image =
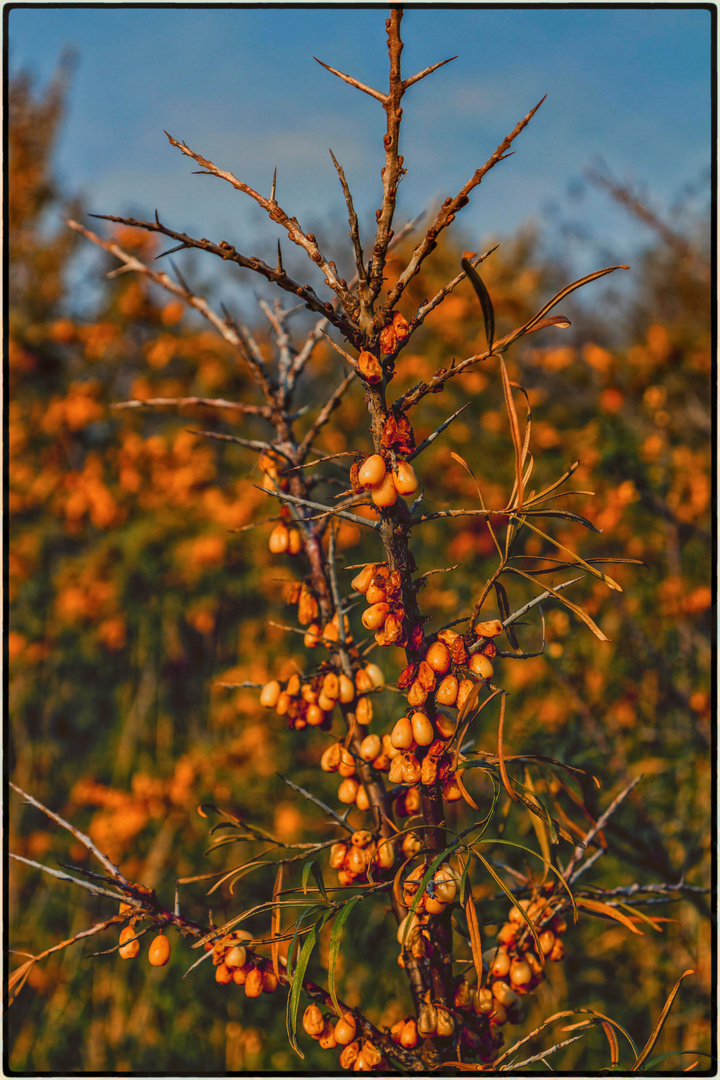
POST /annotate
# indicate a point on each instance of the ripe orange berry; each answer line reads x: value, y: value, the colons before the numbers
x: 404, y: 479
x: 375, y: 674
x: 345, y: 1029
x: 279, y: 539
x: 254, y: 983
x: 236, y: 957
x: 374, y: 616
x: 447, y: 691
x: 438, y: 657
x: 128, y: 951
x: 347, y: 792
x: 370, y: 747
x: 270, y: 694
x: 422, y: 729
x: 346, y: 690
x: 480, y: 665
x: 270, y: 982
x: 347, y: 763
x: 375, y: 594
x: 409, y: 1035
x: 313, y: 1021
x: 385, y: 494
x: 327, y: 1036
x: 364, y: 710
x: 402, y: 734
x: 464, y: 690
x: 295, y: 544
x: 372, y: 471
x: 223, y: 974
x: 159, y: 951
x: 361, y: 799
x: 312, y: 636
x: 314, y: 715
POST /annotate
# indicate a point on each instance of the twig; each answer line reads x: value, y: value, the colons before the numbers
x: 276, y: 213
x: 375, y: 525
x: 542, y: 1055
x: 597, y: 827
x: 97, y: 889
x: 318, y: 802
x: 213, y: 403
x: 446, y: 215
x: 438, y: 431
x: 353, y: 222
x: 111, y: 868
x: 228, y: 253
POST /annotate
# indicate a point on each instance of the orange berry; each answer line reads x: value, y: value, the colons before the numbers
x: 409, y: 1035
x: 295, y: 544
x: 313, y: 1021
x: 447, y: 691
x: 159, y: 951
x: 372, y: 471
x: 270, y: 982
x: 438, y: 657
x: 347, y: 792
x: 422, y: 729
x: 128, y: 951
x: 374, y: 616
x: 404, y: 479
x: 236, y: 957
x: 279, y: 539
x: 480, y: 665
x: 385, y: 494
x: 223, y: 974
x: 402, y: 734
x: 345, y: 1029
x: 362, y: 580
x: 254, y: 983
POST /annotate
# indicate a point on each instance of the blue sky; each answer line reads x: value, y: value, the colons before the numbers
x: 240, y: 86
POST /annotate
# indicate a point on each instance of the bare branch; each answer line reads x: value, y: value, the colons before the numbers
x: 599, y: 824
x: 375, y: 525
x: 438, y: 431
x: 276, y: 213
x: 428, y: 71
x: 97, y: 889
x: 353, y: 82
x: 446, y: 214
x: 353, y: 222
x: 393, y: 171
x: 228, y: 253
x: 111, y: 868
x: 213, y: 403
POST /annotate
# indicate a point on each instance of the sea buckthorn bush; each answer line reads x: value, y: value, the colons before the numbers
x: 410, y: 681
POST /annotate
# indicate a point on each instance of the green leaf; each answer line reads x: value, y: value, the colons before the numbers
x: 335, y: 939
x: 313, y: 868
x: 296, y: 987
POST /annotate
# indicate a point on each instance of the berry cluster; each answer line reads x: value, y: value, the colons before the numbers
x: 360, y: 1056
x: 233, y: 965
x: 311, y: 702
x: 511, y: 970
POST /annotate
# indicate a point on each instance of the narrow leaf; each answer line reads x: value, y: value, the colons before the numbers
x: 474, y: 929
x: 505, y: 612
x: 655, y: 1033
x: 583, y: 615
x: 335, y: 939
x: 485, y: 302
x: 605, y: 909
x: 296, y: 987
x: 275, y: 923
x: 515, y: 433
